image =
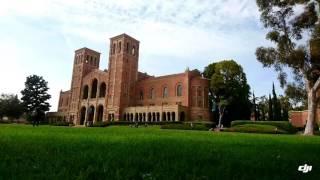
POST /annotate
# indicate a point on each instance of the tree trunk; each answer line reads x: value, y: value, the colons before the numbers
x: 312, y: 110
x: 221, y: 113
x: 312, y: 105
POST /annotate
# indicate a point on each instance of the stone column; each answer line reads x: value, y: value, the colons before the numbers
x: 86, y: 116
x: 177, y: 115
x: 95, y: 115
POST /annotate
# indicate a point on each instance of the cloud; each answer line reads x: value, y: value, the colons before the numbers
x: 173, y: 35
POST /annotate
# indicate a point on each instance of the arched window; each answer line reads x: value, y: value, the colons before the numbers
x: 127, y: 47
x: 141, y: 95
x: 102, y: 90
x: 133, y: 51
x: 85, y: 92
x: 152, y: 93
x: 179, y: 90
x: 94, y: 88
x: 114, y: 49
x: 199, y: 91
x: 165, y: 92
x: 119, y: 47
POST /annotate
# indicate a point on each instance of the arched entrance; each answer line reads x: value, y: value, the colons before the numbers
x: 82, y: 115
x: 164, y: 118
x: 100, y: 113
x: 173, y: 116
x: 91, y: 113
x: 182, y: 116
x: 168, y: 116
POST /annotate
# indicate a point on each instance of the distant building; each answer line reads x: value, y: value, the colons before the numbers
x: 122, y: 93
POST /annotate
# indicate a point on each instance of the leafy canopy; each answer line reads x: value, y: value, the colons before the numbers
x: 35, y: 95
x: 289, y: 21
x: 229, y: 88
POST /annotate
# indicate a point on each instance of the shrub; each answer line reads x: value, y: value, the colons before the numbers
x: 284, y: 125
x: 257, y: 128
x: 188, y: 126
x: 61, y: 123
x: 100, y: 124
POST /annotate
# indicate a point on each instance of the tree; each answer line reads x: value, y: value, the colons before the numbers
x: 263, y: 107
x: 35, y: 97
x: 254, y: 106
x: 285, y: 107
x: 289, y: 28
x: 297, y: 95
x: 228, y: 90
x: 270, y: 112
x: 276, y: 105
x: 10, y: 106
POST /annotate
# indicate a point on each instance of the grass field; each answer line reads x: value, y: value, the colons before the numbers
x: 115, y: 152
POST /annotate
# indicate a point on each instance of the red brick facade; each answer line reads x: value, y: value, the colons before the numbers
x: 123, y: 93
x: 299, y: 118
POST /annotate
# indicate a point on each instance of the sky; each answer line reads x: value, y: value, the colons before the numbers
x: 40, y: 37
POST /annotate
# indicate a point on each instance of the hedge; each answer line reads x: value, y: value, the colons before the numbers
x: 126, y: 123
x: 257, y: 128
x: 284, y: 125
x: 61, y: 123
x: 189, y: 126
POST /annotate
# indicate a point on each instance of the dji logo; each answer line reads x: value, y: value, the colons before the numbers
x: 305, y: 168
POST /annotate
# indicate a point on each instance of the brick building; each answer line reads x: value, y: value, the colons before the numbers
x: 122, y: 93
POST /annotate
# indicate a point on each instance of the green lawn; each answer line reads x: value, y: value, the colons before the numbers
x: 152, y: 153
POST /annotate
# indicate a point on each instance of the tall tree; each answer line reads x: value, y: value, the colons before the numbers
x: 270, y: 112
x: 263, y: 107
x: 35, y: 97
x: 229, y: 90
x: 254, y: 107
x: 288, y: 25
x: 276, y: 105
x: 285, y: 107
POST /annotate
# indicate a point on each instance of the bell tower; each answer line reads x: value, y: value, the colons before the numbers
x: 123, y: 74
x: 85, y: 60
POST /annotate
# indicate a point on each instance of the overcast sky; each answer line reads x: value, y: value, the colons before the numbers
x: 40, y: 36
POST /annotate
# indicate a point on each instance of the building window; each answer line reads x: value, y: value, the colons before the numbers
x: 119, y: 48
x: 165, y: 92
x: 94, y: 88
x: 199, y: 91
x: 179, y: 90
x: 85, y: 92
x: 141, y: 95
x: 152, y: 93
x: 127, y: 47
x: 114, y: 49
x: 133, y: 51
x: 102, y: 92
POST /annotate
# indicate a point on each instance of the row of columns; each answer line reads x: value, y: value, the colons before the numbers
x: 91, y: 114
x: 151, y: 117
